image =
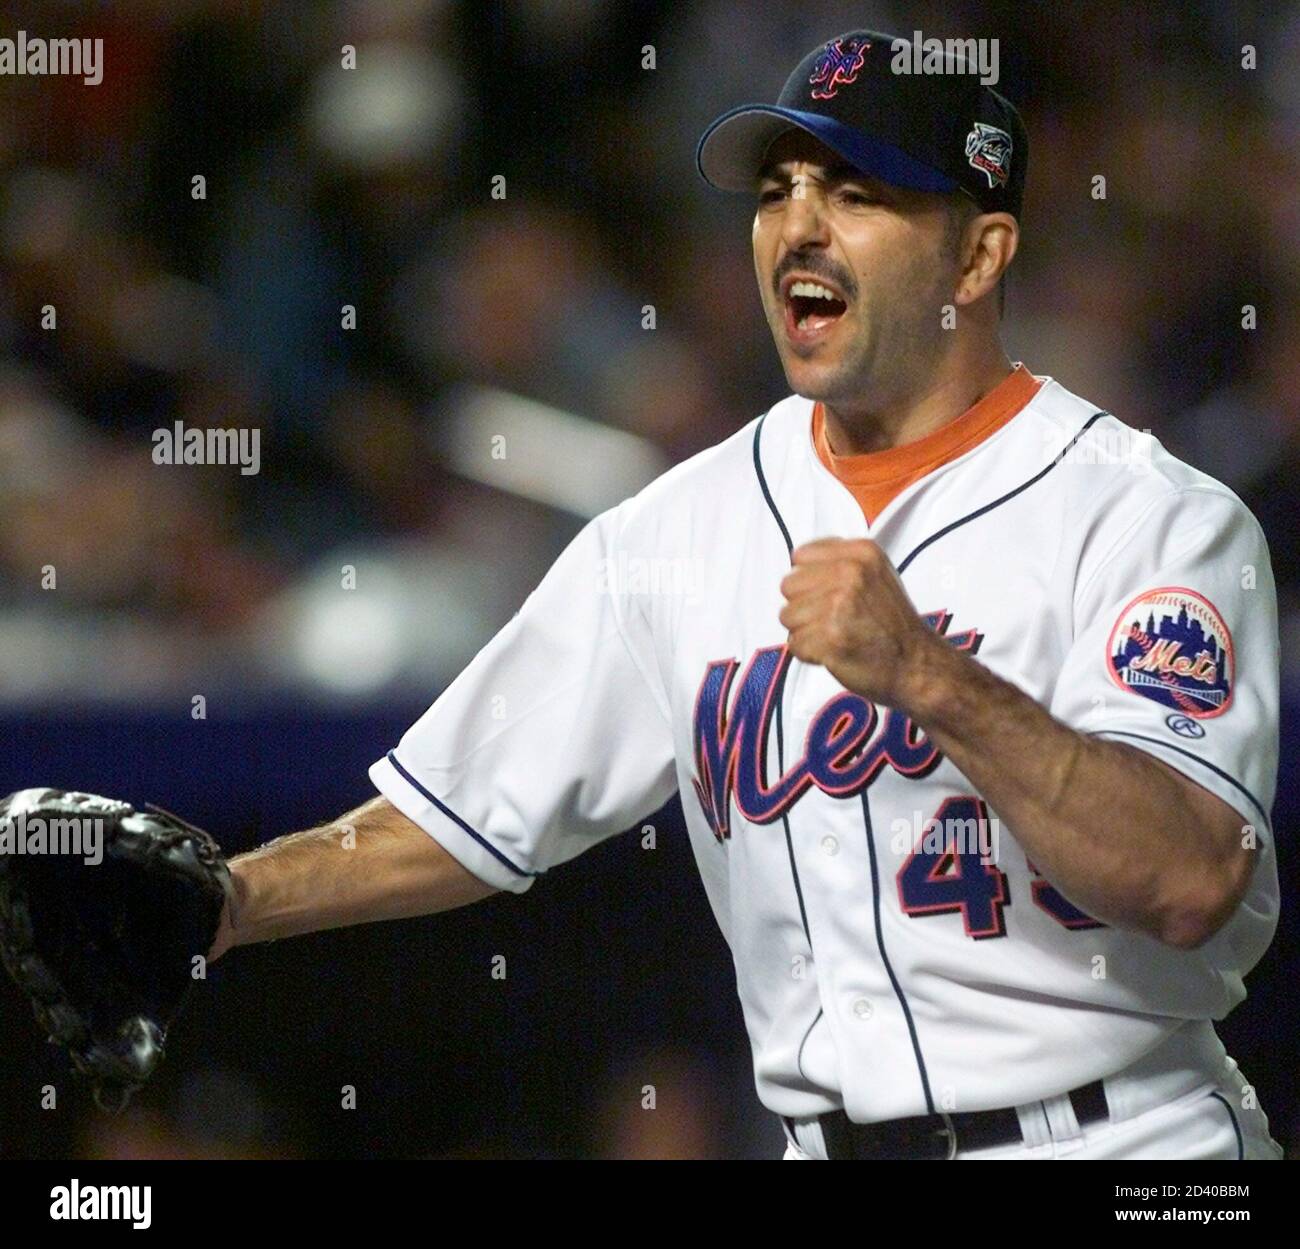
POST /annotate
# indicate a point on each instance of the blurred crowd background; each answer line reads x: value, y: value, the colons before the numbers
x: 371, y: 188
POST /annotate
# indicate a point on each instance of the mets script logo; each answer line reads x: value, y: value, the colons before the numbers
x: 989, y: 150
x: 844, y: 750
x: 1172, y: 646
x: 836, y: 66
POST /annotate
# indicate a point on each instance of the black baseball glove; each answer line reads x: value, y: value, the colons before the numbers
x: 103, y: 909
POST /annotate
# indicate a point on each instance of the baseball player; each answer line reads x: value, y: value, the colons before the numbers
x: 970, y: 691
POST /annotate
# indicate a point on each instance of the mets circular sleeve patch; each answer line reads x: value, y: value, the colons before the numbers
x: 1172, y: 646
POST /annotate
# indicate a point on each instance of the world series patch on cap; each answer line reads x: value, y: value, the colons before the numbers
x: 931, y: 131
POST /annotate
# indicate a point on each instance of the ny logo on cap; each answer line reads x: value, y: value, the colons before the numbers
x: 836, y: 66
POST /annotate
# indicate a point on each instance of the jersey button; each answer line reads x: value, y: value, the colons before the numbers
x: 830, y: 845
x: 863, y: 1009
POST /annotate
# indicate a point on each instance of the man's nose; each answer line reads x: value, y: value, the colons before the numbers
x: 804, y: 221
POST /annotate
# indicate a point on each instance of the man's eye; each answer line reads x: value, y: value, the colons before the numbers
x: 858, y: 197
x: 771, y: 195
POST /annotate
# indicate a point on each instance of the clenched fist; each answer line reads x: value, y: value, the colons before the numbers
x: 847, y: 610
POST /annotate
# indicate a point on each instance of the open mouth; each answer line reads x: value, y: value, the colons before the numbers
x: 812, y: 307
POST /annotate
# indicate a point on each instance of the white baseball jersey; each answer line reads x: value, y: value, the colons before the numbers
x: 887, y: 960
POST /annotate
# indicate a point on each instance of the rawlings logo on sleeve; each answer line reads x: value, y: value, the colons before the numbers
x: 1172, y: 646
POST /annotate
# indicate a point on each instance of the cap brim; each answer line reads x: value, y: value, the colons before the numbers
x: 731, y: 150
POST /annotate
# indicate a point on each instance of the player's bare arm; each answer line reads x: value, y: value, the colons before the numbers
x: 370, y: 864
x: 1123, y: 836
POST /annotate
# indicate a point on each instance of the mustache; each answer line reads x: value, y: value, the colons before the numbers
x: 818, y: 269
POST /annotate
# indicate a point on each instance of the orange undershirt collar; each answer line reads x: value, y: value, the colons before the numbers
x: 875, y: 478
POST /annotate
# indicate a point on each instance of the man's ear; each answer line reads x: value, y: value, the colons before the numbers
x: 987, y: 251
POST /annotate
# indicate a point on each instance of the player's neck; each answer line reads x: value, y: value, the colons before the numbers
x: 951, y: 391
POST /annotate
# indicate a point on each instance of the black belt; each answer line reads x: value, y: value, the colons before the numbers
x: 941, y: 1135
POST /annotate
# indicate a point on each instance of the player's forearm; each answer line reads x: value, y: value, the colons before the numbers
x: 1119, y: 834
x: 370, y: 864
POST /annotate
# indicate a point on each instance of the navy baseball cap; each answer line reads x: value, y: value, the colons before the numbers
x: 930, y: 131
